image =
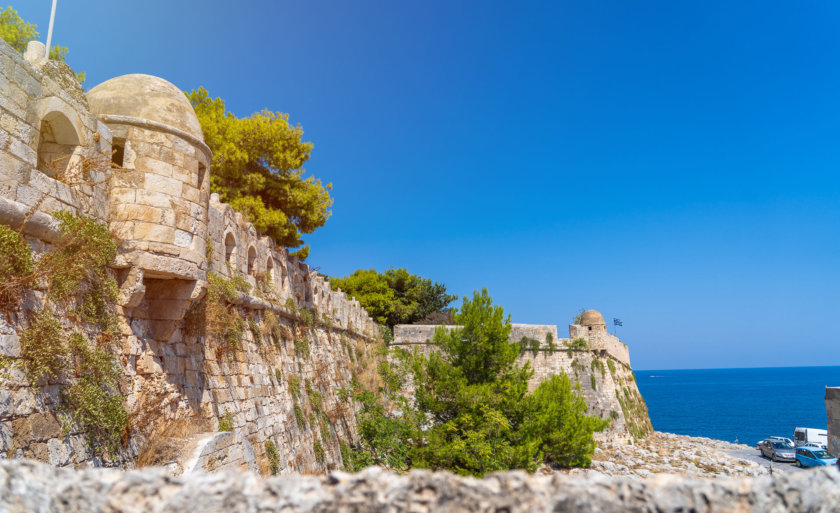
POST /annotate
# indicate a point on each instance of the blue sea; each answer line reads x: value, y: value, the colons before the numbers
x: 744, y: 405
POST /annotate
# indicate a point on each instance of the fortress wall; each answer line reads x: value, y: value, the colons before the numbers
x: 610, y: 344
x: 278, y: 276
x: 41, y: 109
x: 832, y: 410
x: 171, y: 370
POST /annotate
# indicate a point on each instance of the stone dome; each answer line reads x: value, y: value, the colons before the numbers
x: 592, y: 318
x: 145, y: 97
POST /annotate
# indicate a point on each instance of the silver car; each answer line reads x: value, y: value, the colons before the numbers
x: 777, y: 450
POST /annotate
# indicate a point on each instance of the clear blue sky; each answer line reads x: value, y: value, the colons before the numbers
x: 672, y: 164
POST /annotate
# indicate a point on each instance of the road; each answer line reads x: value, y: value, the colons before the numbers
x: 755, y: 456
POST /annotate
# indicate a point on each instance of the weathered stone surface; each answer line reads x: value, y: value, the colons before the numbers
x: 32, y: 487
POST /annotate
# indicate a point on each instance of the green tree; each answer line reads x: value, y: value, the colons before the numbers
x: 557, y: 416
x: 258, y: 168
x: 15, y: 31
x: 387, y: 423
x: 395, y: 296
x: 19, y: 33
x: 479, y: 415
x: 473, y: 395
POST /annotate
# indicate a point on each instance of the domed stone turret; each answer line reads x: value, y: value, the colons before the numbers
x: 159, y: 193
x: 145, y: 97
x: 592, y: 318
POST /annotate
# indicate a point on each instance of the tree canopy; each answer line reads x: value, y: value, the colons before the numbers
x: 395, y: 296
x: 258, y: 169
x: 19, y: 33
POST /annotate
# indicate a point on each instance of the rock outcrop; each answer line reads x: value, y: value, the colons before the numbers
x: 27, y: 486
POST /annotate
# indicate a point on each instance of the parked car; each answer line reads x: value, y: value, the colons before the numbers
x: 782, y: 439
x: 810, y: 436
x: 777, y: 449
x: 813, y: 456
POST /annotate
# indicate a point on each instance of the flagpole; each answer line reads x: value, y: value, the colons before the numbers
x: 50, y: 31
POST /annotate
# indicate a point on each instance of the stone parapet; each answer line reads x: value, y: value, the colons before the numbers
x: 29, y: 486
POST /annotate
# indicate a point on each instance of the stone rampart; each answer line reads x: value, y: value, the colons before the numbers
x: 130, y: 154
x: 29, y: 486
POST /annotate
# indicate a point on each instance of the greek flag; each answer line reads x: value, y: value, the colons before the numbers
x: 617, y: 322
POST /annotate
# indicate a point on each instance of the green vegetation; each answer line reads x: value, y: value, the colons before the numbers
x: 318, y: 449
x: 549, y: 341
x: 226, y: 422
x: 395, y: 296
x: 302, y: 347
x: 558, y: 419
x: 472, y: 412
x: 258, y: 169
x: 611, y: 366
x: 579, y: 344
x: 43, y: 348
x: 308, y: 317
x: 598, y: 365
x: 16, y: 267
x: 300, y: 417
x: 74, y: 273
x: 294, y: 386
x: 222, y: 320
x: 385, y: 438
x: 593, y: 382
x: 635, y: 412
x: 273, y: 457
x: 528, y: 343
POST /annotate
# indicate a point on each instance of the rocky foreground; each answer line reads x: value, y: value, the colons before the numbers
x: 667, y: 453
x: 27, y: 486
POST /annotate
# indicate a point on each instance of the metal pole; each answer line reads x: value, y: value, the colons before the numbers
x: 49, y: 32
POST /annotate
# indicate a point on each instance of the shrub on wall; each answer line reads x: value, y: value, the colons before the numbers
x: 559, y: 421
x: 75, y: 274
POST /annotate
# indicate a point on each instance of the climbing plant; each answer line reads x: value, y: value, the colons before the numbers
x: 74, y: 274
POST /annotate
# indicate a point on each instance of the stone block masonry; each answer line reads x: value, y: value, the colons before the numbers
x: 29, y: 486
x: 832, y: 410
x: 130, y: 154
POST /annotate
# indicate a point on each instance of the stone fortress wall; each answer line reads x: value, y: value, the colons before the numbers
x: 832, y: 410
x: 602, y: 368
x: 172, y: 233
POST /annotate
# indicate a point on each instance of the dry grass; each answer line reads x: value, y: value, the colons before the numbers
x: 167, y: 442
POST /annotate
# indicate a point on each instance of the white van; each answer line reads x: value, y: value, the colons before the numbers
x: 810, y: 436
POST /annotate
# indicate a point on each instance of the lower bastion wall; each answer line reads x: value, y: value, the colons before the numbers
x: 601, y: 369
x: 832, y: 411
x: 298, y: 342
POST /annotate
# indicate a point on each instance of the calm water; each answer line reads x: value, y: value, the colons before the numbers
x: 737, y: 404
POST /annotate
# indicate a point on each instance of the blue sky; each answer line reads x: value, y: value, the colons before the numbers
x: 672, y: 164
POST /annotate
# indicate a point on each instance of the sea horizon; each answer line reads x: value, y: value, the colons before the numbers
x: 743, y: 404
x: 739, y: 368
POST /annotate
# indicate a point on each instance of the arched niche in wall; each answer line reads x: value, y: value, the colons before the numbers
x: 283, y: 276
x: 58, y: 146
x: 230, y: 250
x: 252, y: 261
x: 269, y: 271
